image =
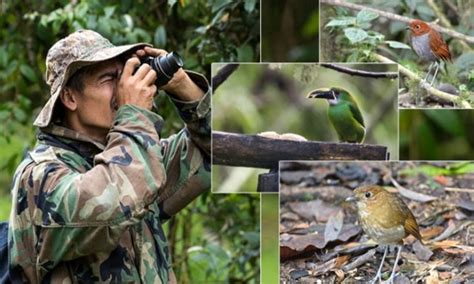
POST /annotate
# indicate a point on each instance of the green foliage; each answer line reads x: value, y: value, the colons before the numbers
x: 436, y: 135
x: 452, y: 169
x: 227, y: 231
x: 290, y: 31
x: 201, y: 31
x: 359, y: 35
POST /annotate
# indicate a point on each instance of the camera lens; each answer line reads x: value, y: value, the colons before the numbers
x: 165, y: 66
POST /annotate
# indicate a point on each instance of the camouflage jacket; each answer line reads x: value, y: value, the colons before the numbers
x: 85, y: 212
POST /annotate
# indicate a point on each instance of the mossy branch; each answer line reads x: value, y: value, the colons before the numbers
x: 435, y: 92
x: 240, y: 150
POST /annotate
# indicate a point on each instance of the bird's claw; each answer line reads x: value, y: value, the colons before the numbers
x: 424, y: 84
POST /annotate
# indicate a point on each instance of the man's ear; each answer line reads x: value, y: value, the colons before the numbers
x: 69, y: 98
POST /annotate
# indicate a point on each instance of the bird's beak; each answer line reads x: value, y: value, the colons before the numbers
x: 324, y: 93
x: 408, y: 28
x: 351, y: 199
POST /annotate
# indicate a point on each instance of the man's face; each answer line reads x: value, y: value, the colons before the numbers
x: 96, y: 105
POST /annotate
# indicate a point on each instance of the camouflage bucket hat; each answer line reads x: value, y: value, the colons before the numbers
x: 65, y: 57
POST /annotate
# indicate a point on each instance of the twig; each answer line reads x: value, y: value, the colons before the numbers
x: 398, y: 18
x: 454, y: 189
x: 362, y: 73
x: 438, y: 13
x: 452, y: 7
x: 431, y: 90
x: 239, y: 150
x: 222, y: 75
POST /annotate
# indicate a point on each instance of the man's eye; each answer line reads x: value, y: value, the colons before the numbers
x: 109, y: 78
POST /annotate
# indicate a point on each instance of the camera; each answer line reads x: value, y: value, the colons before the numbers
x: 165, y: 66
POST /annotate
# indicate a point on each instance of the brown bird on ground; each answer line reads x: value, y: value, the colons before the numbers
x: 385, y: 218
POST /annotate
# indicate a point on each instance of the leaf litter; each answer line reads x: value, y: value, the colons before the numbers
x: 324, y: 232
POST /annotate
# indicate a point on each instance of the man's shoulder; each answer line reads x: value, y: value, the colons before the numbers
x: 44, y: 156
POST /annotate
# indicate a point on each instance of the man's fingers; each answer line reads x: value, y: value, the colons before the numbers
x: 130, y: 66
x: 154, y: 51
x: 142, y: 71
x: 150, y: 77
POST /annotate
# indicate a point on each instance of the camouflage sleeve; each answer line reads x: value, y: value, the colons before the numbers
x: 83, y: 213
x: 186, y: 155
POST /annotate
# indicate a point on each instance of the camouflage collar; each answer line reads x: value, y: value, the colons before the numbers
x: 60, y: 136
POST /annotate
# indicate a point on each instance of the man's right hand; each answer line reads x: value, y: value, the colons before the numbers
x: 136, y: 89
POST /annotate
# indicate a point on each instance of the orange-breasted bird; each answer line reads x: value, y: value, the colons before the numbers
x: 428, y: 45
x: 385, y: 218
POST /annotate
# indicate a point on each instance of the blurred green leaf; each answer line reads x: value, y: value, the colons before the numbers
x: 355, y: 34
x: 245, y: 53
x: 109, y: 11
x: 397, y: 44
x: 342, y: 21
x: 219, y: 4
x: 160, y: 36
x: 431, y: 170
x: 448, y: 121
x: 28, y: 72
x: 366, y: 16
x: 250, y: 5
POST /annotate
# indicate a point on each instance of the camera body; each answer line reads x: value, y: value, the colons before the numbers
x: 165, y: 66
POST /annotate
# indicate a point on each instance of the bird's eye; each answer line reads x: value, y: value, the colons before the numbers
x: 417, y: 26
x: 368, y: 194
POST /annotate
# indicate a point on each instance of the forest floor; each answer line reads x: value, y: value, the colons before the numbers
x: 320, y: 238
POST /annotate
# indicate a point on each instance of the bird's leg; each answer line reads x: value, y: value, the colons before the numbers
x: 427, y: 74
x: 379, y: 272
x: 436, y: 72
x: 392, y: 276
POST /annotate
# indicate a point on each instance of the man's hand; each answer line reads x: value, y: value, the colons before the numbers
x: 180, y: 86
x: 137, y: 89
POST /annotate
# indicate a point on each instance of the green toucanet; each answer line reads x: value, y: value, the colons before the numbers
x: 343, y: 113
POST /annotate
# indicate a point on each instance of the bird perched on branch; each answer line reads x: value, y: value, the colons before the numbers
x: 343, y: 113
x: 385, y: 218
x: 428, y: 45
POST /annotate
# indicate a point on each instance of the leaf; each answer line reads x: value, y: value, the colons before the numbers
x: 366, y: 16
x: 296, y: 245
x: 109, y: 11
x: 355, y: 34
x: 245, y: 53
x: 19, y: 114
x: 249, y: 5
x: 333, y: 226
x: 160, y: 36
x: 420, y: 197
x: 28, y: 72
x: 128, y: 20
x: 219, y: 4
x: 171, y: 2
x: 397, y: 44
x: 342, y: 21
x: 422, y: 252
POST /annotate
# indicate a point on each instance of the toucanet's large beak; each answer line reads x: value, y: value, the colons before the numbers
x: 324, y: 93
x: 351, y: 198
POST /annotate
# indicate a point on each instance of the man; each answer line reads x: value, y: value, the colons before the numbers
x: 89, y: 200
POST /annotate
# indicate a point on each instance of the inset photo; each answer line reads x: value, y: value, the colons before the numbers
x: 290, y: 31
x: 374, y: 222
x: 264, y: 113
x: 436, y: 134
x: 431, y: 40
